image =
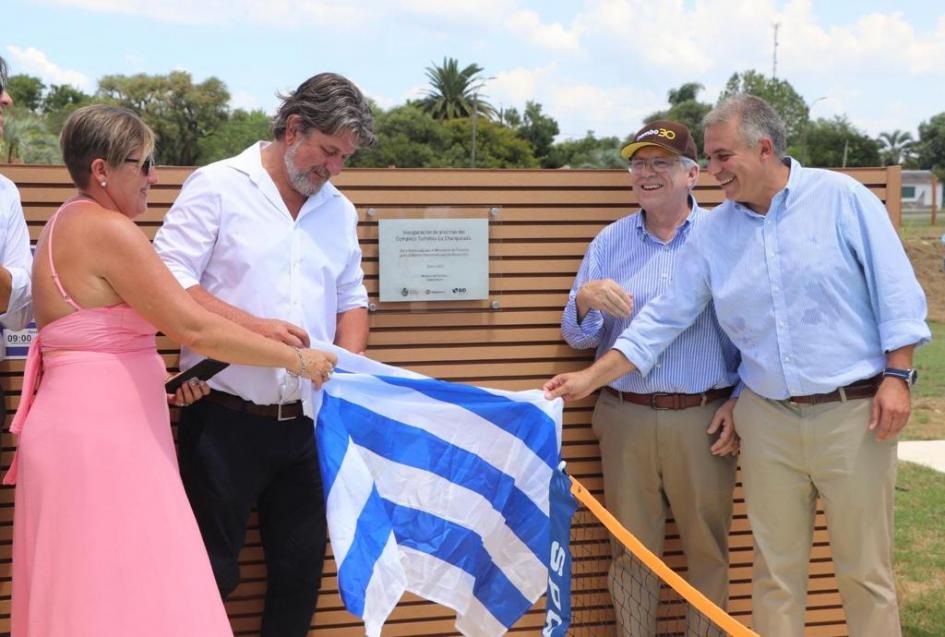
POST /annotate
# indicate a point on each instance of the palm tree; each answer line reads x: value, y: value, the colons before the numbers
x: 26, y: 140
x: 897, y: 147
x: 685, y: 93
x: 454, y: 92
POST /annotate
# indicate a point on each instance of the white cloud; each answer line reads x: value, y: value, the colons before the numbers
x: 604, y: 110
x: 286, y: 13
x: 732, y: 35
x: 460, y: 13
x: 442, y: 17
x: 670, y: 35
x: 553, y: 36
x: 516, y: 86
x: 876, y: 42
x: 32, y: 61
x: 244, y: 100
x: 415, y: 92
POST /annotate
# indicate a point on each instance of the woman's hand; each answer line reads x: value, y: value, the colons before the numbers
x: 317, y: 365
x: 188, y: 393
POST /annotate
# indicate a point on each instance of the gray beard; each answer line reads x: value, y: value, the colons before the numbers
x: 299, y: 179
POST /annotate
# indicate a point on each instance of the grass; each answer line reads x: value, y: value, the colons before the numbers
x: 928, y: 405
x: 930, y: 361
x: 919, y: 554
x: 919, y: 551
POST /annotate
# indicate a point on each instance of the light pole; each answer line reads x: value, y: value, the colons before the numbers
x: 810, y: 107
x: 475, y: 113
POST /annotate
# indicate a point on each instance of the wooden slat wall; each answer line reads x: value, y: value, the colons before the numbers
x: 538, y: 235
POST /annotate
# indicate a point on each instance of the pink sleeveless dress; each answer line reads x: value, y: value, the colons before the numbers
x: 104, y: 541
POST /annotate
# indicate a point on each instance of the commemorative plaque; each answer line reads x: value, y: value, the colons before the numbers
x: 433, y: 259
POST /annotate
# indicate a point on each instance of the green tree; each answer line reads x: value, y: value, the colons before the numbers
x: 931, y: 145
x: 587, y: 152
x: 496, y: 146
x: 26, y: 140
x: 685, y: 108
x: 779, y: 93
x: 538, y: 129
x: 58, y: 104
x: 62, y: 96
x: 688, y: 92
x: 832, y: 143
x: 407, y: 138
x: 454, y: 93
x: 897, y: 147
x: 26, y: 91
x: 510, y: 117
x: 239, y: 131
x: 180, y: 112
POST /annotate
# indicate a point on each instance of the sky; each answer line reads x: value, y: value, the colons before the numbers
x: 594, y: 65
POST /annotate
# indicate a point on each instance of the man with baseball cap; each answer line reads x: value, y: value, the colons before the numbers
x: 667, y: 439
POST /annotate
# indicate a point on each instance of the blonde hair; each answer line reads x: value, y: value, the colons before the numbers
x: 104, y: 132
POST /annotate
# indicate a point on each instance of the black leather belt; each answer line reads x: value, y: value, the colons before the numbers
x: 858, y: 389
x: 671, y: 401
x: 287, y: 411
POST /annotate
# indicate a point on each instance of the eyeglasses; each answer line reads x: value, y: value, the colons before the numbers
x: 658, y: 164
x: 146, y: 165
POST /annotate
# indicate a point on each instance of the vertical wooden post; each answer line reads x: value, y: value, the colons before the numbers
x: 894, y: 194
x: 934, y: 198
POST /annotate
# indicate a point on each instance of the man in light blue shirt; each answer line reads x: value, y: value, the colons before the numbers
x: 655, y: 448
x: 811, y: 283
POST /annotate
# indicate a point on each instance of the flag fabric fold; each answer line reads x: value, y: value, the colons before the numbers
x: 438, y: 489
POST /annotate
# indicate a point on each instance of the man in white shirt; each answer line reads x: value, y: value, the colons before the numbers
x: 266, y: 240
x: 16, y: 260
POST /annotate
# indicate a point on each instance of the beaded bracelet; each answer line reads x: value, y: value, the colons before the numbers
x: 303, y: 368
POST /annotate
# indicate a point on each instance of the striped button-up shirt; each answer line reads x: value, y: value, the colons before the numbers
x: 701, y: 358
x: 813, y: 293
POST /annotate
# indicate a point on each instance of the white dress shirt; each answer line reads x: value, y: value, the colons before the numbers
x: 230, y: 232
x: 15, y: 256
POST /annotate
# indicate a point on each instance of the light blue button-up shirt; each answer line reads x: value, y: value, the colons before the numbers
x: 701, y: 358
x: 812, y: 294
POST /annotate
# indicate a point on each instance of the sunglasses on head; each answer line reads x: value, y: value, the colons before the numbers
x: 146, y: 165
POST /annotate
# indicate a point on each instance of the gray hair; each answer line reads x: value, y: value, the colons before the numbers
x: 328, y: 103
x: 104, y: 132
x: 756, y: 120
x: 3, y: 73
x: 687, y: 162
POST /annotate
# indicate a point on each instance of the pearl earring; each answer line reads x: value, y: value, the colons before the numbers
x: 103, y: 184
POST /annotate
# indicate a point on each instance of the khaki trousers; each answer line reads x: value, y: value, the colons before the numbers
x: 790, y: 454
x: 653, y: 459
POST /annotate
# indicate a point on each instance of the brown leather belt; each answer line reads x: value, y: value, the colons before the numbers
x: 858, y: 389
x: 671, y: 401
x: 288, y: 411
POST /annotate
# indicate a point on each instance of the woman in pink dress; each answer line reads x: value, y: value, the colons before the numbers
x: 104, y: 541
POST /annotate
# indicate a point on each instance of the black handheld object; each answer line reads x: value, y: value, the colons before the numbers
x: 202, y: 370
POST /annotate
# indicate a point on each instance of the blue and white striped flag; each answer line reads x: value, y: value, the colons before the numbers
x: 438, y: 489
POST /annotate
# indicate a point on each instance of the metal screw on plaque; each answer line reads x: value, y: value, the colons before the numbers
x: 372, y: 307
x: 495, y: 305
x: 494, y: 212
x: 371, y: 212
